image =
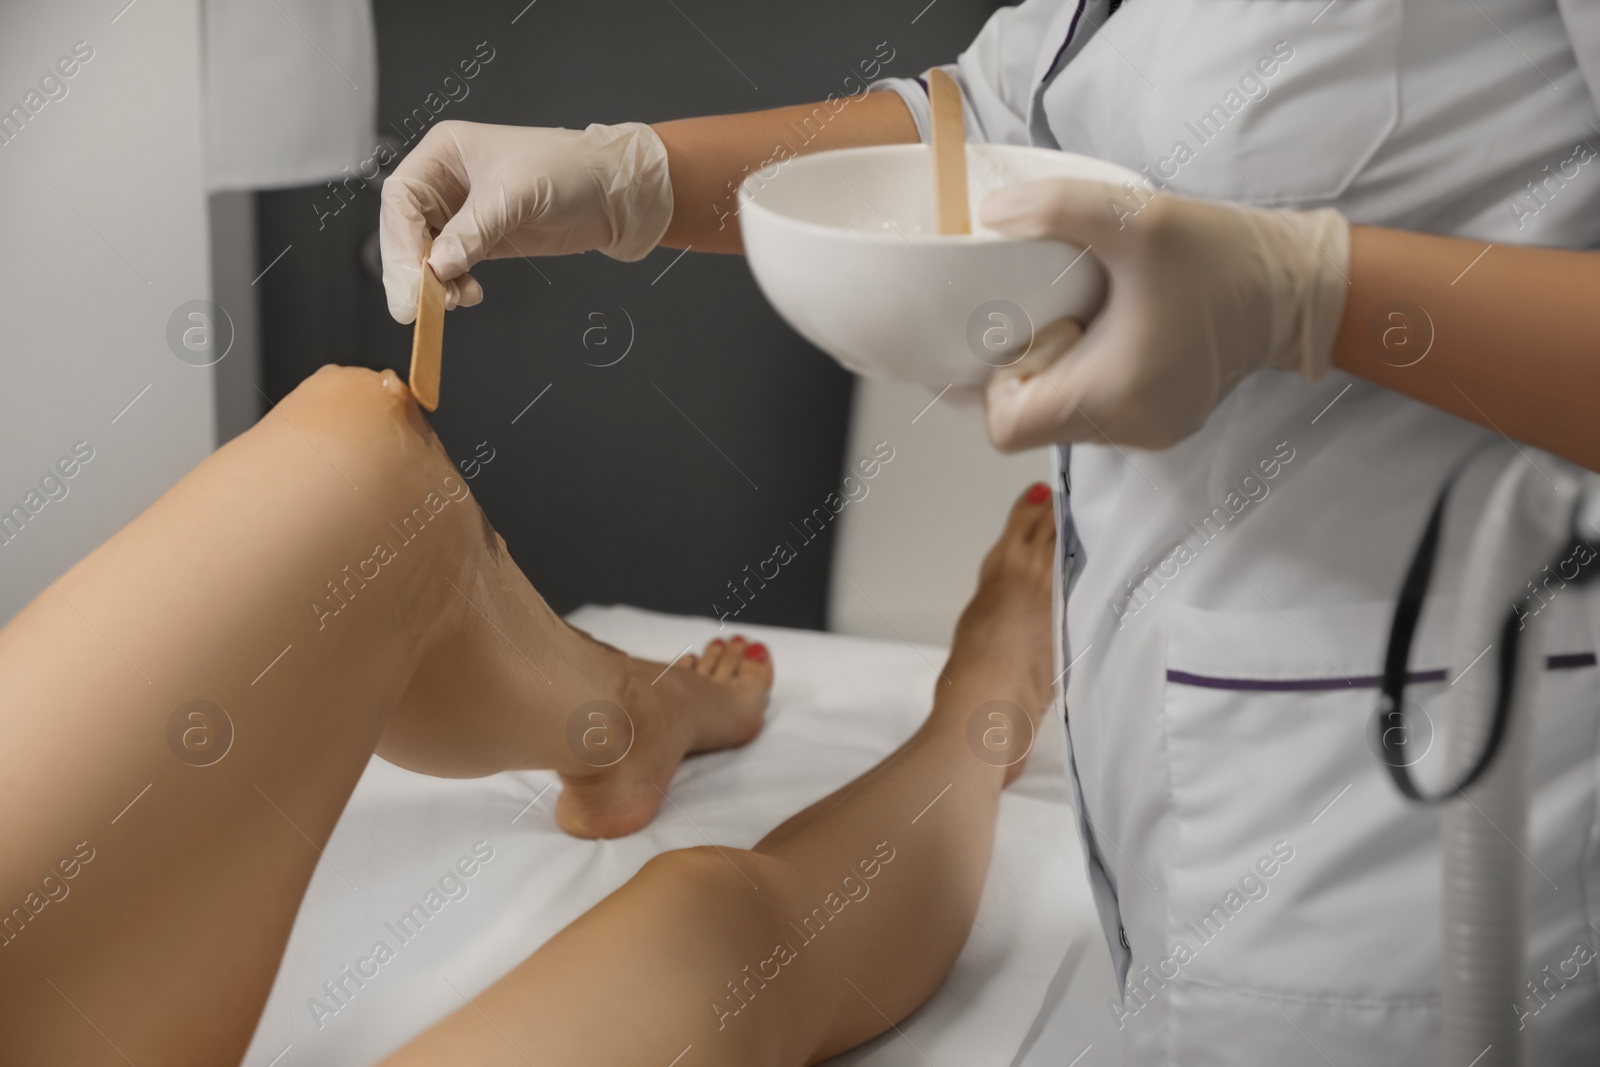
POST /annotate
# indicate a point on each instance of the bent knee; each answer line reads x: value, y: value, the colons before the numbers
x: 366, y: 417
x: 699, y: 864
x: 710, y: 873
x: 350, y: 394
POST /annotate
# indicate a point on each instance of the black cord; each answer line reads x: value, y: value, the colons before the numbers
x: 1408, y: 610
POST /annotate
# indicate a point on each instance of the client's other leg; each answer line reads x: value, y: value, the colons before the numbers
x: 327, y: 587
x: 839, y: 923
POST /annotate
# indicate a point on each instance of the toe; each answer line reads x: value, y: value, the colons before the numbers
x: 755, y: 667
x: 711, y: 657
x: 1026, y: 513
x: 1043, y: 546
x: 731, y: 657
x: 1037, y: 514
x: 1044, y: 526
x: 1029, y: 508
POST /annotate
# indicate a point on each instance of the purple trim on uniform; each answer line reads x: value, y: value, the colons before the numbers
x: 1294, y: 685
x: 1072, y: 31
x: 922, y: 82
x: 1561, y: 662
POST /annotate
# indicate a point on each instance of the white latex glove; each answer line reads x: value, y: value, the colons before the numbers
x: 492, y: 192
x: 1201, y: 294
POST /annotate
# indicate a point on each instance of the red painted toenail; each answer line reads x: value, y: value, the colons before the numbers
x: 757, y: 652
x: 1038, y: 493
x: 717, y: 642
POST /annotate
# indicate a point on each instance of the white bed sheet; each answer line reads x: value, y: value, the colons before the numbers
x: 839, y: 705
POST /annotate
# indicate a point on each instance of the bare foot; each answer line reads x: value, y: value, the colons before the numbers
x: 1001, y: 657
x: 1001, y: 651
x: 700, y: 703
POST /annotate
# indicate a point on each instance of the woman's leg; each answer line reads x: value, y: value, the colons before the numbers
x: 837, y: 925
x: 325, y: 588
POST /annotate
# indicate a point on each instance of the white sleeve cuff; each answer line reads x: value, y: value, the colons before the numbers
x: 914, y: 92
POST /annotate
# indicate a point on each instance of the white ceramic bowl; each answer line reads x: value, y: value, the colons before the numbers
x: 845, y: 246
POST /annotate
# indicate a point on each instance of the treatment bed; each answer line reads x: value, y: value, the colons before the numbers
x: 1029, y: 988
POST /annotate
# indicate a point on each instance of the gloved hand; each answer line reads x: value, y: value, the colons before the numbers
x: 491, y: 192
x: 1201, y: 294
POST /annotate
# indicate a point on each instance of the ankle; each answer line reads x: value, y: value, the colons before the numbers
x: 995, y: 730
x: 622, y: 707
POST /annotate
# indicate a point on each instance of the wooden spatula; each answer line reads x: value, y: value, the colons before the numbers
x: 949, y: 154
x: 427, y: 340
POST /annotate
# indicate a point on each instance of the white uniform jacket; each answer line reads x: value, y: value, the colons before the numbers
x: 1267, y: 894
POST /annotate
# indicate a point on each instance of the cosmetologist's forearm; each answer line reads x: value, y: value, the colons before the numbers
x: 708, y: 157
x: 1504, y: 336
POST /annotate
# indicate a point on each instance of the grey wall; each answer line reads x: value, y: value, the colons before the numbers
x: 657, y: 480
x: 105, y: 237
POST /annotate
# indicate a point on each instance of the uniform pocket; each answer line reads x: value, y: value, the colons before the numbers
x: 1298, y: 867
x: 1267, y: 720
